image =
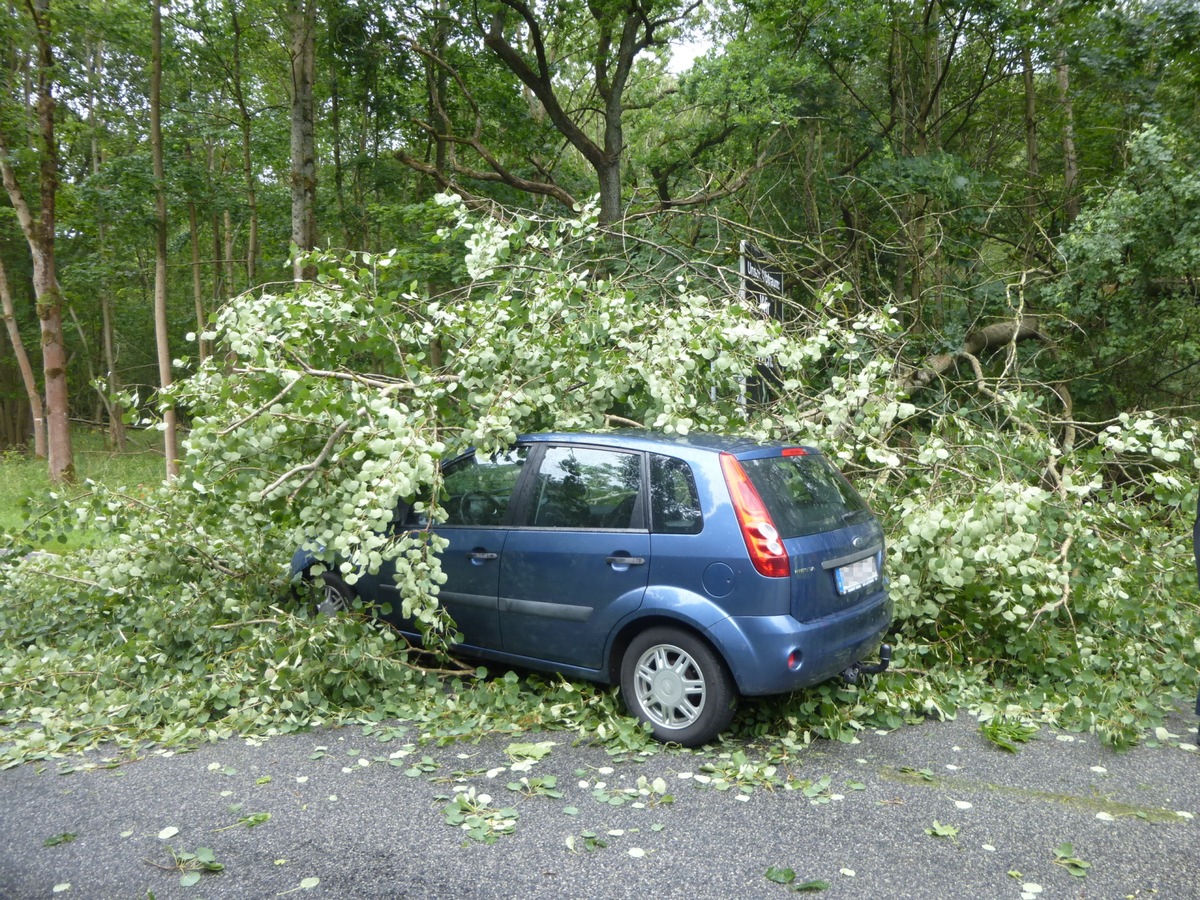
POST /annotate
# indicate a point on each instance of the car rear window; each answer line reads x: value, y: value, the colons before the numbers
x: 805, y: 494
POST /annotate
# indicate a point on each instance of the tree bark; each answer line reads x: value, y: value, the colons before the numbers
x: 303, y: 20
x: 112, y: 380
x: 244, y: 122
x: 39, y: 235
x: 24, y: 366
x: 197, y: 266
x: 1070, y: 158
x: 1031, y: 151
x: 990, y: 337
x: 116, y: 422
x: 160, y: 243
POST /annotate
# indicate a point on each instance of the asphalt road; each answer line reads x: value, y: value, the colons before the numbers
x: 352, y: 817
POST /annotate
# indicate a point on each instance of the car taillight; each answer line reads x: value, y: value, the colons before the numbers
x: 758, y: 531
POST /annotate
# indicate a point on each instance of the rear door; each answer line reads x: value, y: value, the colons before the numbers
x: 578, y: 557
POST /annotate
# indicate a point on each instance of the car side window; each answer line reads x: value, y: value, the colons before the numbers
x: 582, y: 487
x: 476, y: 491
x: 674, y: 503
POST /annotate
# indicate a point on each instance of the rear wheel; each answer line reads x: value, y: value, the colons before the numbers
x: 677, y: 683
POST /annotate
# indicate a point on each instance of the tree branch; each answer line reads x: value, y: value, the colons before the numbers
x: 990, y: 337
x: 311, y: 467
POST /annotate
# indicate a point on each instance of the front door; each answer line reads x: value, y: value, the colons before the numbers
x: 475, y: 498
x: 578, y: 558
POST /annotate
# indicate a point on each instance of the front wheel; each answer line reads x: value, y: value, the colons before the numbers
x: 674, y: 681
x: 330, y: 594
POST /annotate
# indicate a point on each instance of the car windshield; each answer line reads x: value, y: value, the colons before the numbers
x: 805, y: 494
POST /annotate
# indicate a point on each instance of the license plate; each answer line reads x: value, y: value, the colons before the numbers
x: 856, y: 575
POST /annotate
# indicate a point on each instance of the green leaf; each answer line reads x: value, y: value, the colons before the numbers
x: 254, y: 819
x: 781, y: 876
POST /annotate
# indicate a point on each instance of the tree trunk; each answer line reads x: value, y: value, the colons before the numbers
x: 160, y: 243
x: 112, y: 386
x: 24, y: 366
x: 1031, y: 151
x: 623, y: 31
x: 303, y: 21
x: 218, y: 286
x: 244, y: 123
x: 39, y: 235
x: 339, y: 176
x: 16, y: 420
x: 219, y: 269
x: 116, y: 421
x: 227, y: 237
x: 990, y: 337
x: 197, y: 266
x: 1070, y: 159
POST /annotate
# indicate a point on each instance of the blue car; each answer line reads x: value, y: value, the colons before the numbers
x: 690, y: 570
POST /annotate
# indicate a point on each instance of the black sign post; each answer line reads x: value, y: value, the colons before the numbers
x: 762, y: 280
x: 762, y: 286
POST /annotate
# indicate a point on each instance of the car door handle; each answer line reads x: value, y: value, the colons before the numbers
x: 625, y: 560
x: 482, y: 555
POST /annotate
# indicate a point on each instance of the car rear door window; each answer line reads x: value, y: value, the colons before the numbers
x: 674, y: 503
x: 583, y: 487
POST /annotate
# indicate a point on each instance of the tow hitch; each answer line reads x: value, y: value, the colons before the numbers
x: 854, y: 672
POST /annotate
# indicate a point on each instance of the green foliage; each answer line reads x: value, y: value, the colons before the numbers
x: 1132, y: 263
x: 1037, y: 572
x: 546, y: 786
x: 473, y: 813
x: 194, y: 865
x: 937, y: 829
x: 1064, y: 855
x: 1007, y: 734
x: 736, y: 770
x: 590, y: 840
x: 788, y: 876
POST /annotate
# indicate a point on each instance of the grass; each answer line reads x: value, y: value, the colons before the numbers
x: 24, y: 477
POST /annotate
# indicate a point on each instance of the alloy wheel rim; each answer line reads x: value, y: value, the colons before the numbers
x: 670, y: 686
x: 331, y: 602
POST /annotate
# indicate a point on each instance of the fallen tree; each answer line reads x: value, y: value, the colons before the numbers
x: 1061, y: 597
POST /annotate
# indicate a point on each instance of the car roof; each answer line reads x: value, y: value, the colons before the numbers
x: 639, y: 439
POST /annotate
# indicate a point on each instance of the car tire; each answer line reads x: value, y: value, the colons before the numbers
x: 676, y: 682
x: 331, y: 595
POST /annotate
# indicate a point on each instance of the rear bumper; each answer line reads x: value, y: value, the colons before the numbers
x: 777, y: 654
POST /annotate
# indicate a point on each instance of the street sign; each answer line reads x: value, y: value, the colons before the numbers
x: 762, y: 280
